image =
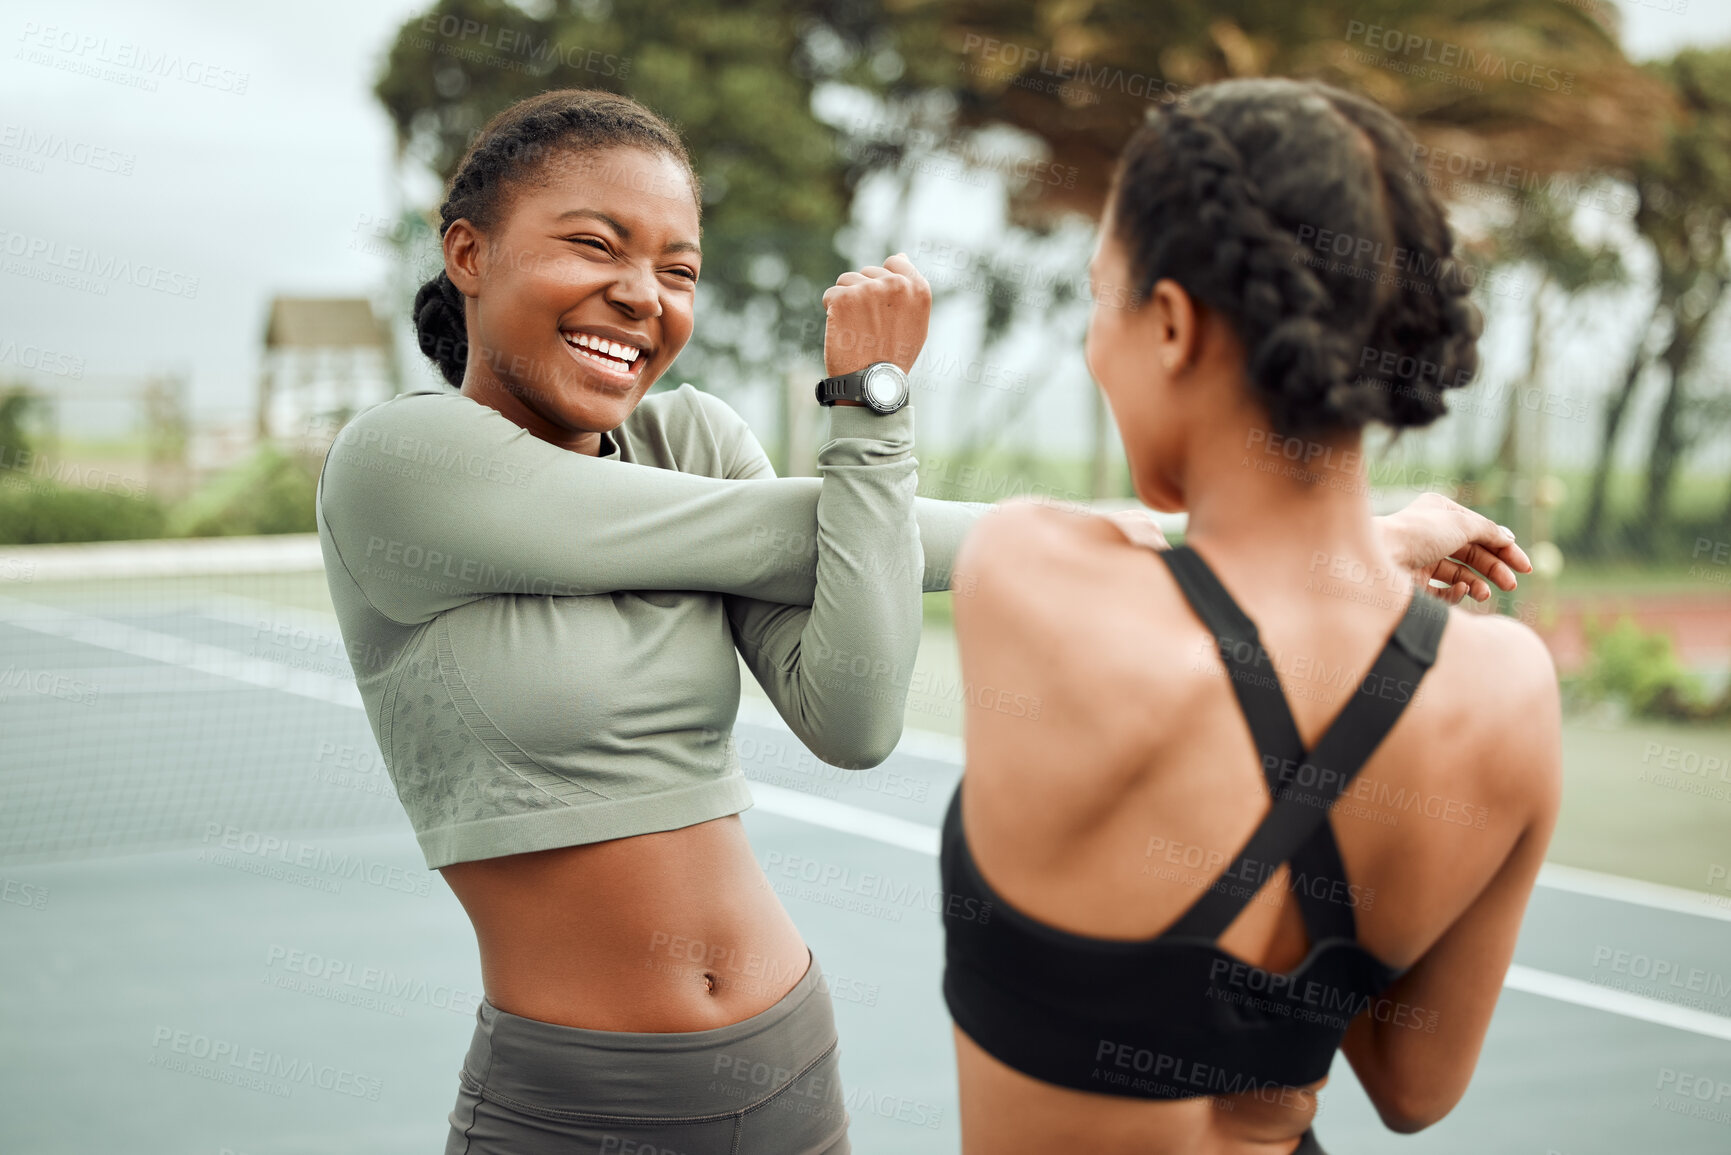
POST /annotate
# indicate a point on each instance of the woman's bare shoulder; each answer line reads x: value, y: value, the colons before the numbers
x: 1506, y: 652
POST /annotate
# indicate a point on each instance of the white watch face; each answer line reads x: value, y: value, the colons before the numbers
x: 883, y: 386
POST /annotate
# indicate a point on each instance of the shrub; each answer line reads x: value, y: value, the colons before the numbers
x: 269, y: 492
x: 1642, y: 671
x: 34, y: 511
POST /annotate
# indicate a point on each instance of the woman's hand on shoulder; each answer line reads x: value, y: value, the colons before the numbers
x: 1138, y: 527
x: 1436, y: 538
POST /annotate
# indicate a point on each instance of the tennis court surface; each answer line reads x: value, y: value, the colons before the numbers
x: 220, y: 937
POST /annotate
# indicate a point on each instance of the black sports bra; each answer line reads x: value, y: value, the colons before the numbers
x: 1176, y: 1017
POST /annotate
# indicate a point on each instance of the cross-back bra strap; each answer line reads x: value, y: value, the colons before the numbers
x: 1374, y: 707
x: 1310, y: 787
x: 1248, y: 665
x: 1318, y: 874
x: 1318, y: 881
x: 1316, y: 866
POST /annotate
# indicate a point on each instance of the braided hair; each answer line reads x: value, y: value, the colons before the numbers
x: 514, y: 148
x: 1295, y: 210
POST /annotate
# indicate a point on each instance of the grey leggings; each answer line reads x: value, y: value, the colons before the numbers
x: 767, y: 1085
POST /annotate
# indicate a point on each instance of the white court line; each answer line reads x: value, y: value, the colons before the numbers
x: 1633, y: 891
x: 170, y: 557
x: 111, y: 681
x: 899, y: 832
x: 760, y: 711
x: 849, y: 819
x: 857, y: 820
x: 1585, y: 994
x: 175, y: 651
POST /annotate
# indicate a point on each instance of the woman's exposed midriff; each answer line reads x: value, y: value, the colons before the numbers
x: 677, y: 930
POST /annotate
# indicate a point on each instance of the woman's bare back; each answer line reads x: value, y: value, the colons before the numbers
x: 1138, y: 782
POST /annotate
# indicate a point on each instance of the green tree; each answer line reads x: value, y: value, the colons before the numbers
x: 1535, y: 93
x: 1685, y: 207
x: 1539, y: 85
x: 15, y: 409
x: 1541, y: 236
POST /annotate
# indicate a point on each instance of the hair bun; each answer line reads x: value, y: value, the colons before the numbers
x: 440, y: 327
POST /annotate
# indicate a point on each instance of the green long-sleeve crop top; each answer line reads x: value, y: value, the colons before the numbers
x: 544, y: 640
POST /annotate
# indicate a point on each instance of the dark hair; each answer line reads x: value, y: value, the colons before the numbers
x: 511, y: 150
x: 1244, y: 195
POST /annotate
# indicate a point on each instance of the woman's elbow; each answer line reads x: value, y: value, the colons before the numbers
x: 1408, y: 1124
x: 1409, y: 1110
x: 862, y: 747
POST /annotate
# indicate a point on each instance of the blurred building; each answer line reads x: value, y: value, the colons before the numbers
x: 324, y: 359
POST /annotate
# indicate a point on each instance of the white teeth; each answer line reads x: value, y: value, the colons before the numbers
x: 625, y: 353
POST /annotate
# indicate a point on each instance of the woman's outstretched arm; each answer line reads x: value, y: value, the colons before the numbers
x: 434, y: 500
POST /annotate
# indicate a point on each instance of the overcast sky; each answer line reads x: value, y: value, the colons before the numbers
x: 252, y: 168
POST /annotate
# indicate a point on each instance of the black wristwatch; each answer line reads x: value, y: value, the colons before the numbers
x: 881, y: 385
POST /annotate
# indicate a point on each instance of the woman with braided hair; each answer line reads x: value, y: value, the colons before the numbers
x: 1240, y: 836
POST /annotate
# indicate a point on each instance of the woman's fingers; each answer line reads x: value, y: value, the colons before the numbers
x: 1453, y: 593
x: 1498, y: 540
x: 1484, y: 561
x: 847, y: 280
x: 1463, y: 582
x: 900, y: 265
x: 1139, y: 527
x: 1516, y: 558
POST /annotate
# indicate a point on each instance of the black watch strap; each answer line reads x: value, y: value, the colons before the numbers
x: 851, y: 387
x: 847, y: 387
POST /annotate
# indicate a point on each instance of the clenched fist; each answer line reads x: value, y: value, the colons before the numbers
x: 879, y: 313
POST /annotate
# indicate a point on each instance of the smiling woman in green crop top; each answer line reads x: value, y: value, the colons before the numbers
x: 542, y: 580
